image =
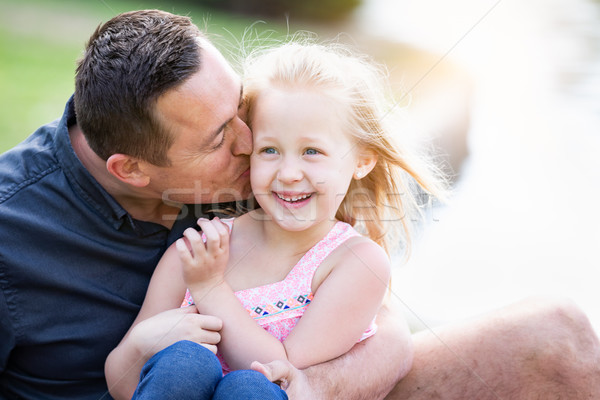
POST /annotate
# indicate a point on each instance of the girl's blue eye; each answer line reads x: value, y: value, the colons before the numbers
x: 270, y: 150
x: 311, y: 152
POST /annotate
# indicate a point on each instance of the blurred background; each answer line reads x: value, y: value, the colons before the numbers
x: 506, y: 95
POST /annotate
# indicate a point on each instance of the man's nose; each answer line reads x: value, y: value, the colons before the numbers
x: 242, y: 143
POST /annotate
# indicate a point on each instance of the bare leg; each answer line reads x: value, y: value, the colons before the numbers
x: 540, y: 348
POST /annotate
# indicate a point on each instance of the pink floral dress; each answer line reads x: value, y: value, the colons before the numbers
x: 278, y: 306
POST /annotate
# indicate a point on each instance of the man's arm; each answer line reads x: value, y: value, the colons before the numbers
x: 368, y: 371
x: 540, y: 348
x: 6, y: 333
x: 159, y: 324
x: 537, y: 348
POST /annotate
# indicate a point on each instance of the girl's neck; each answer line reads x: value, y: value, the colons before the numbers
x: 292, y: 242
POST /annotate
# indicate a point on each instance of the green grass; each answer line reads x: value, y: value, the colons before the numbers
x: 40, y: 42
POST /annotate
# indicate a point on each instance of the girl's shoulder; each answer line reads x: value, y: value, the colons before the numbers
x: 362, y: 248
x: 244, y: 228
x: 357, y: 255
x: 245, y: 222
x: 358, y: 244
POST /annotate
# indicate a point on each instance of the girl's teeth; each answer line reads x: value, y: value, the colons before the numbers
x: 293, y: 198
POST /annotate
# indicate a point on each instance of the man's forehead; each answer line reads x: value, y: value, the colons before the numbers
x: 207, y: 48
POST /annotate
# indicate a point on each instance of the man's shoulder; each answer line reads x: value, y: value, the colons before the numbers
x: 28, y: 162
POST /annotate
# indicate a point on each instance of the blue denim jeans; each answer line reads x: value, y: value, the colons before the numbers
x: 187, y: 370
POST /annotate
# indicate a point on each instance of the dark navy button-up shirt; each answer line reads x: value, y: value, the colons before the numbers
x: 74, y: 268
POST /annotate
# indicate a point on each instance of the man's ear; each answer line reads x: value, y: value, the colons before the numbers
x: 127, y: 169
x: 367, y: 159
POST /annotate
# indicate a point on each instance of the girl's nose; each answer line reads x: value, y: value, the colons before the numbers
x: 289, y: 171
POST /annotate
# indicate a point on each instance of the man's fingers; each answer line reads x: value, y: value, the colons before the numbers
x: 209, y: 322
x: 211, y: 347
x: 277, y: 371
x: 262, y: 368
x: 211, y: 337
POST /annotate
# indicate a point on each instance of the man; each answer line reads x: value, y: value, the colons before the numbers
x: 89, y: 203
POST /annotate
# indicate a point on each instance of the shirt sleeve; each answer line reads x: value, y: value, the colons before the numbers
x: 6, y: 332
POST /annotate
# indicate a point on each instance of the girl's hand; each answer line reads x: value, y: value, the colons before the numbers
x: 204, y: 263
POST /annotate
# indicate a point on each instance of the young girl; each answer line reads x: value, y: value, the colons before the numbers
x: 294, y: 279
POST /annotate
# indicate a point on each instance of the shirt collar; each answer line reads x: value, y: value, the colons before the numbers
x: 86, y: 186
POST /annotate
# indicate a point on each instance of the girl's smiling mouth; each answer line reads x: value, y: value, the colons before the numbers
x: 292, y: 199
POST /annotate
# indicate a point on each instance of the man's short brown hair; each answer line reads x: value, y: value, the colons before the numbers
x: 128, y: 63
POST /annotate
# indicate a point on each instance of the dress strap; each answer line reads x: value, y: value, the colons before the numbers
x: 308, y: 264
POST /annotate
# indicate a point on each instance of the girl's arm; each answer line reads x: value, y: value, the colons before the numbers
x: 344, y: 304
x: 159, y: 324
x: 204, y: 267
x: 368, y: 371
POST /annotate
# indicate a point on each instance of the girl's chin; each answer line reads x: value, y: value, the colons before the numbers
x: 292, y: 225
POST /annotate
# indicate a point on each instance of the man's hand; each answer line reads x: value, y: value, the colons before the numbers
x: 162, y: 330
x: 292, y: 380
x: 152, y: 335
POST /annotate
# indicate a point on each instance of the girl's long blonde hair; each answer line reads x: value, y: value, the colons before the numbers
x: 391, y: 195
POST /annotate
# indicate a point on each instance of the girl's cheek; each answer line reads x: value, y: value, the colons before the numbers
x: 258, y: 174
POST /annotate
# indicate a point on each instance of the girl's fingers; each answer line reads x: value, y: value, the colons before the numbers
x: 216, y: 233
x: 193, y: 236
x: 193, y: 240
x: 183, y: 250
x: 192, y: 244
x: 223, y: 231
x: 211, y: 234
